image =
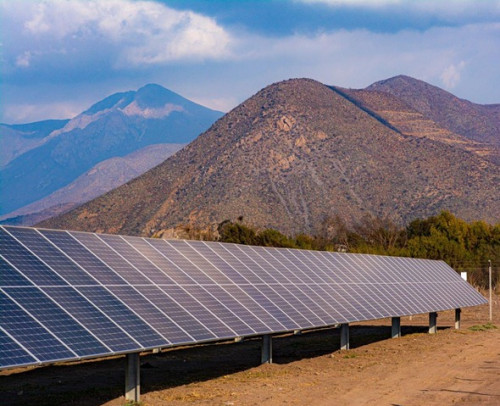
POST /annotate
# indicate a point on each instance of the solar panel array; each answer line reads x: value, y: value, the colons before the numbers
x: 71, y: 295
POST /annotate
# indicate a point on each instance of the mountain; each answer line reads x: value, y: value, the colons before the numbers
x: 19, y: 138
x: 104, y: 176
x: 114, y: 127
x: 475, y: 121
x: 399, y: 115
x: 289, y: 157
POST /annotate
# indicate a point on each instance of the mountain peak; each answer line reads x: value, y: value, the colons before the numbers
x: 474, y: 121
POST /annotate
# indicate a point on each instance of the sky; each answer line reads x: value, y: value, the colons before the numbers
x: 58, y: 57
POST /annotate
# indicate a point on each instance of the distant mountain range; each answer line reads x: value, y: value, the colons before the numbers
x: 50, y: 166
x: 299, y: 152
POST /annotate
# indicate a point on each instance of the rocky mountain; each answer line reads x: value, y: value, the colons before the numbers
x: 38, y: 163
x: 294, y: 154
x: 475, y: 121
x: 104, y: 176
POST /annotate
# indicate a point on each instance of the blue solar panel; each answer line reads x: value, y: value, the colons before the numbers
x: 12, y: 354
x: 30, y: 333
x: 191, y: 325
x: 152, y: 314
x: 124, y: 317
x: 10, y: 276
x: 103, y: 327
x: 135, y: 258
x: 70, y: 295
x: 84, y: 258
x: 52, y: 256
x: 199, y: 311
x: 49, y: 314
x: 25, y: 262
x: 111, y: 258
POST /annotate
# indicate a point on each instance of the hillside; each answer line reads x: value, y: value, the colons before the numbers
x: 475, y: 121
x: 292, y: 155
x: 41, y: 163
x: 406, y: 119
x: 101, y: 178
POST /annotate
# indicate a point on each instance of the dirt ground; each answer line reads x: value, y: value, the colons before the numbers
x: 460, y: 367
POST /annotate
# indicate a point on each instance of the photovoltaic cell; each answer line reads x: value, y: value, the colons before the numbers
x: 124, y: 317
x: 67, y: 295
x: 89, y: 316
x: 12, y: 354
x: 111, y: 258
x: 137, y: 259
x: 52, y: 256
x: 198, y: 310
x: 29, y: 333
x: 192, y: 325
x: 24, y: 261
x: 49, y: 314
x: 10, y: 276
x: 83, y: 257
x: 151, y: 314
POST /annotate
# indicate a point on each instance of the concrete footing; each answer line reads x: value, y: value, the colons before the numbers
x: 457, y: 318
x: 267, y: 350
x: 433, y: 323
x: 396, y: 327
x: 132, y: 378
x: 344, y: 336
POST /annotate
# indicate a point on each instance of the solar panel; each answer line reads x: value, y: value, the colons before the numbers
x: 70, y: 295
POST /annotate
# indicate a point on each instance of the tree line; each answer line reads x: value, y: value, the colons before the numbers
x: 464, y: 246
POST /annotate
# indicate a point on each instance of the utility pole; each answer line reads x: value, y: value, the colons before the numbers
x: 491, y: 291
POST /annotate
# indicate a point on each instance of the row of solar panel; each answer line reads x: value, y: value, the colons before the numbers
x: 67, y: 295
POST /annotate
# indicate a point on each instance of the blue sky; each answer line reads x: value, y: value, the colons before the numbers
x: 60, y: 56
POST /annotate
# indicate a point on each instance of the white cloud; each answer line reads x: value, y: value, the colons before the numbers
x: 451, y: 75
x: 24, y: 59
x: 446, y: 56
x: 30, y: 112
x: 130, y: 32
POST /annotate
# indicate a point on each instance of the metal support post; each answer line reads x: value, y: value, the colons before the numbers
x: 267, y: 349
x: 132, y: 378
x: 433, y: 323
x: 457, y: 318
x: 344, y: 336
x: 396, y: 327
x: 491, y: 289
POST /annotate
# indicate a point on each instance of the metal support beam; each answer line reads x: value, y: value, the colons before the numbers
x: 433, y: 322
x: 457, y: 318
x: 132, y: 378
x: 396, y: 327
x: 267, y: 349
x: 344, y: 336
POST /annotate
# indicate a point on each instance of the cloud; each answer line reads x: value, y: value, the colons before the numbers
x: 30, y: 112
x: 451, y: 7
x: 446, y: 56
x: 353, y: 3
x: 451, y: 75
x: 64, y: 53
x: 24, y: 59
x: 111, y: 34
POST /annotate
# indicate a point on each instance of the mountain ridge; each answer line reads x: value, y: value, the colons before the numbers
x: 289, y: 157
x: 114, y: 127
